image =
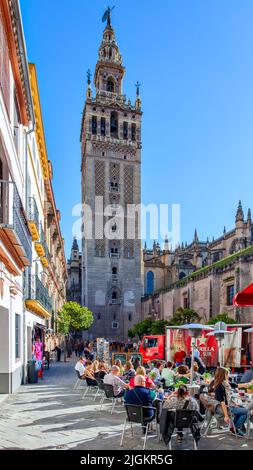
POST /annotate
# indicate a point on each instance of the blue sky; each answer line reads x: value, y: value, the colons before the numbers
x: 195, y: 63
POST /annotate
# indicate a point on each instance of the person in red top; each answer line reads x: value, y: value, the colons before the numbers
x: 179, y: 357
x: 141, y: 371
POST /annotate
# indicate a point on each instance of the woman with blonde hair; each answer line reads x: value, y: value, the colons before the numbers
x: 142, y: 371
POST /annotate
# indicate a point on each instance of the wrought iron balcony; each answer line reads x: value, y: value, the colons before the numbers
x: 13, y: 222
x: 37, y: 298
x: 42, y: 249
x: 33, y: 218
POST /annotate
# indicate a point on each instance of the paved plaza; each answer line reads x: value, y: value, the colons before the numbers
x: 51, y: 415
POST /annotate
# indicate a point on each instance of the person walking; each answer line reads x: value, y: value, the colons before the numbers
x: 76, y: 346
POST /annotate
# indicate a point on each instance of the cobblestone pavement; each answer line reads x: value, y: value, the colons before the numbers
x: 51, y: 415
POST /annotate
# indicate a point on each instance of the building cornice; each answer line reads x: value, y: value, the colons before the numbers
x: 39, y: 131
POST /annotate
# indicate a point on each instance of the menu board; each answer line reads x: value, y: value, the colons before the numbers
x: 121, y: 356
x: 132, y: 357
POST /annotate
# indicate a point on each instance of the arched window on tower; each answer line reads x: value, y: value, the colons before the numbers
x: 114, y: 270
x: 150, y: 282
x: 114, y: 124
x: 114, y: 297
x: 110, y: 86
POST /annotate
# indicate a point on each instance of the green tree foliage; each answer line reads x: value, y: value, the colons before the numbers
x: 158, y: 327
x: 148, y: 327
x: 140, y: 329
x: 74, y: 317
x: 224, y: 317
x: 183, y: 316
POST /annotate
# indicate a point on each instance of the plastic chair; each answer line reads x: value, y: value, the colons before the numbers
x: 109, y: 395
x: 92, y: 387
x: 136, y: 414
x: 183, y: 419
x: 79, y: 380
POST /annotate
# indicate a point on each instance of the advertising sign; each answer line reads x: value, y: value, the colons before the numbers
x: 37, y: 354
x: 207, y: 345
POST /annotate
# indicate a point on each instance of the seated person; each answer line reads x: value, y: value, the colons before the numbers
x: 222, y: 392
x: 168, y: 374
x: 183, y: 374
x: 120, y: 366
x: 179, y: 400
x: 80, y: 367
x: 118, y: 384
x: 155, y: 372
x: 89, y: 373
x: 179, y: 356
x: 102, y: 370
x: 196, y: 374
x: 140, y: 395
x: 142, y: 371
x: 129, y: 370
x: 247, y: 377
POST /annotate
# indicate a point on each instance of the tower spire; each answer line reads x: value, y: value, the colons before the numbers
x: 196, y: 238
x: 249, y: 220
x: 109, y: 71
x: 239, y: 214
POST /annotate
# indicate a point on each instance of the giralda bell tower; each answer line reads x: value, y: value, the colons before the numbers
x: 111, y: 170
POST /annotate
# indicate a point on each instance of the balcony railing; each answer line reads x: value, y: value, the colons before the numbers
x: 33, y: 217
x: 36, y: 293
x: 14, y: 222
x: 114, y: 255
x: 42, y: 248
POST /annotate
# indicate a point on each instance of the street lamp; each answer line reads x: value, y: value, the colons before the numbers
x: 219, y: 333
x: 195, y: 331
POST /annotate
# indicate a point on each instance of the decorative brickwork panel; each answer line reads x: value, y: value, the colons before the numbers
x: 128, y: 248
x: 128, y: 184
x: 100, y: 248
x: 99, y: 178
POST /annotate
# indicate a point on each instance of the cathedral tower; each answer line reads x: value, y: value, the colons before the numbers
x: 111, y: 168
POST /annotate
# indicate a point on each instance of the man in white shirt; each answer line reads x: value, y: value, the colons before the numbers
x: 80, y: 367
x: 118, y: 385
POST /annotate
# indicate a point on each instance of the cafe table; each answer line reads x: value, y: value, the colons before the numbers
x: 194, y: 389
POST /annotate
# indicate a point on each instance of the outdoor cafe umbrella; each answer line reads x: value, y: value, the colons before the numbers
x: 195, y: 331
x: 244, y: 298
x: 249, y: 330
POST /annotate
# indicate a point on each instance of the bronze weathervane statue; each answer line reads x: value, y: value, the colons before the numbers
x: 107, y: 16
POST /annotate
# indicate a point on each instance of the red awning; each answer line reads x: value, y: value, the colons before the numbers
x: 244, y: 298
